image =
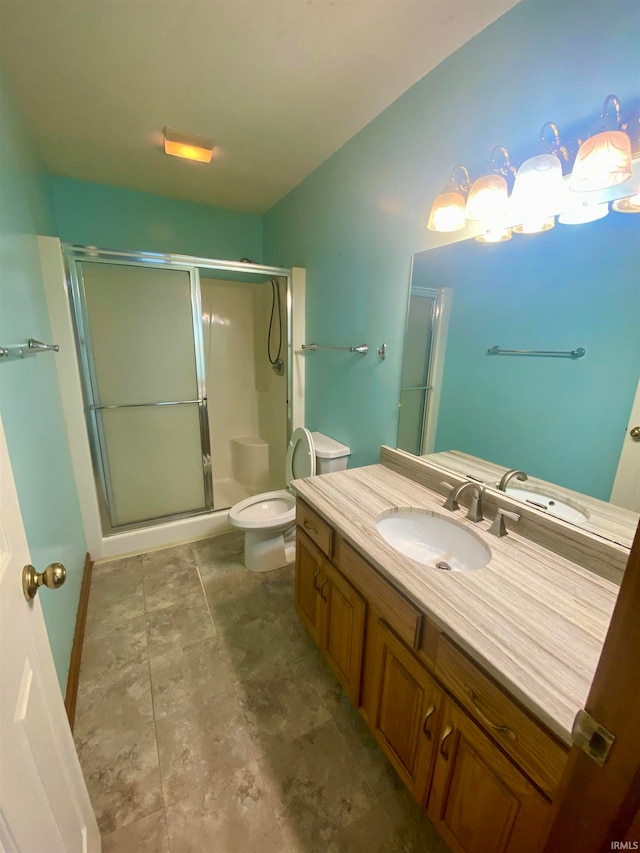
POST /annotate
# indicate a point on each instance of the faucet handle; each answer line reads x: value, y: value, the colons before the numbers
x: 498, y: 527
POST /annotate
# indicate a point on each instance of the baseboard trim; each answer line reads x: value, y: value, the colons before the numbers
x: 78, y: 641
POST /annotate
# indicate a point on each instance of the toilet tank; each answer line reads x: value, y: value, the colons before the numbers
x: 330, y: 454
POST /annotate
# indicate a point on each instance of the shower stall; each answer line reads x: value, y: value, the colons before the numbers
x: 186, y: 377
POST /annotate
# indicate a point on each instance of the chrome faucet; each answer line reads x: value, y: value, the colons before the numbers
x: 475, y: 507
x: 519, y: 475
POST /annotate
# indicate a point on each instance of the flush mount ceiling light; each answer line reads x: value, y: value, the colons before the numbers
x: 448, y: 210
x: 604, y: 159
x: 189, y: 146
x: 489, y: 195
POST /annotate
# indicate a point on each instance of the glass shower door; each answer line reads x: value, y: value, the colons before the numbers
x: 141, y: 341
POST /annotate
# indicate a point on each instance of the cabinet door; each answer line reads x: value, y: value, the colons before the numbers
x: 479, y: 800
x: 343, y: 634
x: 309, y: 563
x: 406, y: 711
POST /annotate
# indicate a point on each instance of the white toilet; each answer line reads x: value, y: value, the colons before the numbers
x: 269, y: 519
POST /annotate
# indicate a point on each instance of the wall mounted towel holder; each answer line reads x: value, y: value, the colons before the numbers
x: 32, y: 347
x: 574, y: 353
x: 362, y: 349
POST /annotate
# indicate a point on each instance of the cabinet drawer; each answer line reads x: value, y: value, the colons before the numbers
x: 535, y: 751
x: 316, y: 529
x: 396, y: 611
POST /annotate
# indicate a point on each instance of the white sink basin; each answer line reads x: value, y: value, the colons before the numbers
x: 553, y: 506
x: 432, y: 539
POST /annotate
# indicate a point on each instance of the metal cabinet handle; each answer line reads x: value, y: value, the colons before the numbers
x: 425, y: 729
x: 53, y: 577
x: 315, y: 585
x: 309, y: 527
x: 443, y: 740
x: 322, y: 586
x: 497, y: 727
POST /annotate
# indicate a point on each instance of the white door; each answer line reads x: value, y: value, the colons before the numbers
x: 44, y: 804
x: 626, y: 486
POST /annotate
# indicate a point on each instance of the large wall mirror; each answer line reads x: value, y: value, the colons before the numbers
x: 559, y: 418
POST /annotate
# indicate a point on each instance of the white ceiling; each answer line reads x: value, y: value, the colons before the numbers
x: 279, y: 84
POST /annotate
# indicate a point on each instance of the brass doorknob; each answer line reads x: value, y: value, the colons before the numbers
x: 53, y: 577
x: 635, y: 433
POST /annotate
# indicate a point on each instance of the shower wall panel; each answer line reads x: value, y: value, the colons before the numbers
x: 246, y: 399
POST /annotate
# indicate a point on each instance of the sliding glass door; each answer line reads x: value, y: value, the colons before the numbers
x: 140, y: 335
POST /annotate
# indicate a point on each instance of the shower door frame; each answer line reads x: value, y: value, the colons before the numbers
x: 74, y: 256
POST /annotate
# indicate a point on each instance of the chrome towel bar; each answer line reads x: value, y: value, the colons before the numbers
x: 574, y: 353
x: 32, y: 348
x: 363, y: 349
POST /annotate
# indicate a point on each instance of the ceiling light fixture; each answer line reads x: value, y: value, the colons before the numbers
x: 447, y: 212
x: 604, y: 159
x: 189, y: 146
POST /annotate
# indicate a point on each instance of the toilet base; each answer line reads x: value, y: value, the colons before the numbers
x: 266, y: 551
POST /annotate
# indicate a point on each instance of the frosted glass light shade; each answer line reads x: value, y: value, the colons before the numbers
x: 537, y: 189
x: 627, y: 205
x: 488, y: 199
x: 584, y: 213
x: 495, y: 235
x: 535, y: 225
x: 447, y: 213
x: 603, y: 161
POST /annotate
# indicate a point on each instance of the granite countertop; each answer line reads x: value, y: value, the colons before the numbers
x: 534, y: 620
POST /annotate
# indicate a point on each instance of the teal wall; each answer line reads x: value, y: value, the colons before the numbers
x: 127, y: 220
x: 356, y: 221
x: 563, y: 420
x: 29, y: 396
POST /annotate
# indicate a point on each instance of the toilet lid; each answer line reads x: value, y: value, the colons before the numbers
x: 301, y: 456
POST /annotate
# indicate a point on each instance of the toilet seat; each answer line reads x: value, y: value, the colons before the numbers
x: 267, y: 511
x: 301, y: 456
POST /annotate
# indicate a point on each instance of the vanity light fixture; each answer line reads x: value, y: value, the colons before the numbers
x: 489, y: 195
x: 627, y: 205
x: 583, y: 213
x: 538, y: 186
x: 604, y: 159
x: 448, y: 210
x: 189, y: 146
x: 495, y: 235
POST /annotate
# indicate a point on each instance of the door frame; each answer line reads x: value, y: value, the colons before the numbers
x: 598, y: 806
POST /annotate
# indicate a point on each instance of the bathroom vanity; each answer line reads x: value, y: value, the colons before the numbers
x: 469, y: 681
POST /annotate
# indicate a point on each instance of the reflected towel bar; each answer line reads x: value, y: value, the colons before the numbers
x: 363, y: 349
x: 574, y: 353
x: 32, y: 348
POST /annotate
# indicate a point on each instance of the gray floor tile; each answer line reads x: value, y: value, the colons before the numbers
x: 148, y: 835
x: 165, y: 561
x: 178, y: 626
x: 168, y: 589
x: 317, y: 790
x: 411, y: 824
x: 232, y: 816
x: 115, y: 699
x: 183, y: 680
x: 106, y: 652
x: 200, y: 749
x: 122, y: 774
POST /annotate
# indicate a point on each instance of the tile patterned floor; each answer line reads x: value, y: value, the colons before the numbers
x: 207, y: 721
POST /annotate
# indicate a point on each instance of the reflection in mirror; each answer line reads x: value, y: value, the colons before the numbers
x: 560, y: 419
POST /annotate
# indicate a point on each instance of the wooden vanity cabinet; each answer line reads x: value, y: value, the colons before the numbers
x: 483, y: 767
x: 479, y: 801
x: 333, y: 612
x: 406, y: 710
